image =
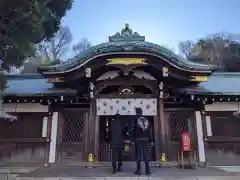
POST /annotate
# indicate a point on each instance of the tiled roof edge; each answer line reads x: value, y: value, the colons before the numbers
x: 24, y: 76
x: 226, y: 74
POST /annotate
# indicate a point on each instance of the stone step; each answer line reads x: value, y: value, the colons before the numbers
x: 134, y: 178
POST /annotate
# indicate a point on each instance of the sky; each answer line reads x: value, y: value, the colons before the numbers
x: 165, y: 22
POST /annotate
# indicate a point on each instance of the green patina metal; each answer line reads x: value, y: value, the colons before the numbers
x: 28, y: 85
x: 127, y: 41
x: 222, y: 84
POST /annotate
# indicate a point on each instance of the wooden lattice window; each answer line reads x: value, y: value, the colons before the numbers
x: 73, y: 126
x: 179, y: 122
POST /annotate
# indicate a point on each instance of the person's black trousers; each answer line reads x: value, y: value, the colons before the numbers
x: 117, y: 158
x: 142, y: 153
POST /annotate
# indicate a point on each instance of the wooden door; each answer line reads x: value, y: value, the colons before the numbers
x: 71, y: 145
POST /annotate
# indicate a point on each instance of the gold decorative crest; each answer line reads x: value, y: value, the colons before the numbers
x: 126, y: 61
x: 199, y: 78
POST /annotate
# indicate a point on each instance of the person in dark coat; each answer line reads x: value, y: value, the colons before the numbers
x: 142, y: 135
x: 117, y: 142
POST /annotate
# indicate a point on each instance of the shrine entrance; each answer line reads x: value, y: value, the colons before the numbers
x: 105, y: 153
x: 106, y: 110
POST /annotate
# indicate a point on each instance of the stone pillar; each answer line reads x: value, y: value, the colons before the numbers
x: 200, y: 140
x: 53, y: 143
x: 208, y: 126
x: 45, y: 127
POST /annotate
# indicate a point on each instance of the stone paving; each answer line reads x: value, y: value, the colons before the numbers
x: 104, y: 173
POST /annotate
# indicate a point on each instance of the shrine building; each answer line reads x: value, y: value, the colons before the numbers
x: 64, y: 112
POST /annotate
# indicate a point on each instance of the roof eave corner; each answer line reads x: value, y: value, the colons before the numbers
x: 45, y: 70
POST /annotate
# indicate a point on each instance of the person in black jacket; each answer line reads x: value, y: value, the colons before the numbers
x: 116, y: 143
x: 142, y: 137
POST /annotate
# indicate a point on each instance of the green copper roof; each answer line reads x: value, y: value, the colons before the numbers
x: 36, y: 85
x: 218, y: 84
x: 31, y: 85
x: 126, y: 42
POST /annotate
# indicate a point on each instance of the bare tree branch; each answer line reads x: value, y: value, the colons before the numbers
x: 81, y: 46
x: 219, y: 49
x: 186, y: 48
x: 54, y: 48
x: 49, y: 51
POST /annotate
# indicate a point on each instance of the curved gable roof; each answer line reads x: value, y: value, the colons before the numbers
x: 126, y: 42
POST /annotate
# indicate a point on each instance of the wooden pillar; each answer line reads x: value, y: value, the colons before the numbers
x: 46, y: 133
x: 92, y: 126
x: 201, y: 147
x: 162, y: 128
x: 207, y: 132
x: 96, y: 142
x: 161, y: 124
x: 86, y: 134
x: 204, y: 126
x: 157, y: 137
x: 49, y: 128
x: 60, y: 134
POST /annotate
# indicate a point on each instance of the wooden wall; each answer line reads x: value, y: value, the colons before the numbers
x: 222, y: 138
x: 21, y: 141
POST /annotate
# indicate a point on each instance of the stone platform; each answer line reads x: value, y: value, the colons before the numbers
x: 104, y: 173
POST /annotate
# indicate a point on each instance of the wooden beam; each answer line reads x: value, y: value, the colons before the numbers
x: 24, y: 107
x: 224, y: 106
x: 122, y: 81
x: 138, y: 95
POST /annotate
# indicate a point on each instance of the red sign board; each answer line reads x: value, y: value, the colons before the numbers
x: 185, y: 142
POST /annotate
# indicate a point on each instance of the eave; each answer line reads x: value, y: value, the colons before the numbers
x: 138, y: 48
